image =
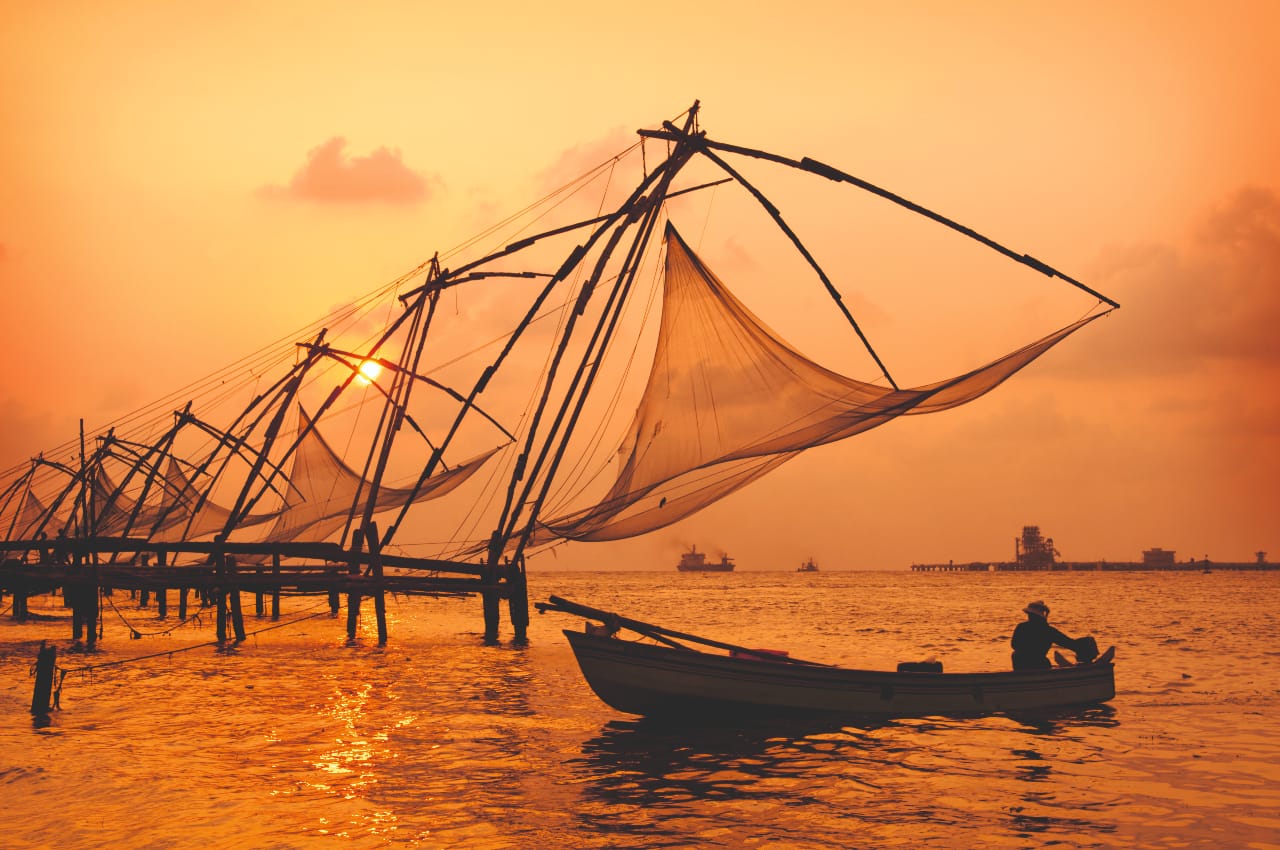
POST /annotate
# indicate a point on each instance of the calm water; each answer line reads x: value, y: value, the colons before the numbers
x: 295, y: 740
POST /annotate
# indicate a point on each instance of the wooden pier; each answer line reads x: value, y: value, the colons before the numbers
x: 216, y: 574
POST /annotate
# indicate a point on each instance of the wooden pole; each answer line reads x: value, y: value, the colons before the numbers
x: 163, y: 594
x: 46, y: 662
x: 19, y: 600
x: 379, y: 596
x: 489, y: 596
x: 380, y: 603
x: 91, y: 610
x: 492, y: 614
x: 353, y: 571
x: 220, y: 596
x: 658, y: 632
x: 275, y: 588
x: 182, y: 602
x: 518, y: 600
x: 237, y: 615
x: 353, y: 613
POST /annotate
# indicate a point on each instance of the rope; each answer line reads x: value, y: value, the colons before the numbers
x: 136, y: 633
x: 89, y: 668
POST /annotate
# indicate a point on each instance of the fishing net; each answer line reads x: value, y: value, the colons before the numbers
x: 728, y: 400
x: 325, y: 491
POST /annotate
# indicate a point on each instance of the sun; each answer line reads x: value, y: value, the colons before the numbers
x: 369, y: 372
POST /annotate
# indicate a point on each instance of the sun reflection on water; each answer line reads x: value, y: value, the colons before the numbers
x: 436, y: 740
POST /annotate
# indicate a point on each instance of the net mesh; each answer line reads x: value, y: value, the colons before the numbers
x: 324, y: 490
x: 728, y: 400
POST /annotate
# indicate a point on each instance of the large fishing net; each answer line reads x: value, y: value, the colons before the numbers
x: 324, y: 491
x: 728, y: 400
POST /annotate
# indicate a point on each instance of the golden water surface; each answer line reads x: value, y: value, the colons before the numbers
x: 296, y: 740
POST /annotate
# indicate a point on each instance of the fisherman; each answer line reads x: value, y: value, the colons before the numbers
x: 1033, y: 637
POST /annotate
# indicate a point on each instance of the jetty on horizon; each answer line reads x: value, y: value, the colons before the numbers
x: 1033, y: 552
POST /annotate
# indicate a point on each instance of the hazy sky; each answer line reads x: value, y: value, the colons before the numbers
x: 184, y: 182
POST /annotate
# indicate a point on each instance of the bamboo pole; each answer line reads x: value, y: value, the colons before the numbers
x: 658, y: 632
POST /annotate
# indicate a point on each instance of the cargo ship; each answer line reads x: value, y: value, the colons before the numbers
x: 694, y: 561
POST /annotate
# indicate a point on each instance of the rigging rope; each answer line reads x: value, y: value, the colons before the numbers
x: 89, y: 668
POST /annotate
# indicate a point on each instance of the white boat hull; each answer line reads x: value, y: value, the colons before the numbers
x: 653, y: 680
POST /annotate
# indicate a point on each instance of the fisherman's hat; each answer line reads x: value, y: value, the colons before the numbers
x: 1038, y: 608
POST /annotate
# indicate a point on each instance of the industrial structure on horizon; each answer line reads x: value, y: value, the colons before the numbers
x: 1032, y: 551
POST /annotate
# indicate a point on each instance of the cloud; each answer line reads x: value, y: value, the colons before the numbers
x: 330, y: 176
x: 1211, y: 300
x: 582, y: 159
x: 1183, y: 371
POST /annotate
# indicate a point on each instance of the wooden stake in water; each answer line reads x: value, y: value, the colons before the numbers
x: 46, y: 663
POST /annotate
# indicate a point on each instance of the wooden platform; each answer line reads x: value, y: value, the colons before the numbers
x: 218, y: 573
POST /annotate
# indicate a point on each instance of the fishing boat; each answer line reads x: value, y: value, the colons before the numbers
x: 807, y: 567
x: 668, y: 678
x: 694, y: 561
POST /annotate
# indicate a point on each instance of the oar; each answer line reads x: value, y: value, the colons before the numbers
x: 658, y: 632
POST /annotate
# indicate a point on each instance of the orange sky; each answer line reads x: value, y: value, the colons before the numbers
x: 184, y: 182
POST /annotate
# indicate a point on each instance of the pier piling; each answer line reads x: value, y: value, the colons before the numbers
x: 367, y: 572
x: 518, y: 601
x: 375, y: 567
x: 353, y: 613
x: 275, y: 586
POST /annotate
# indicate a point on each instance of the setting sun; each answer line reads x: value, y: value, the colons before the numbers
x: 369, y: 372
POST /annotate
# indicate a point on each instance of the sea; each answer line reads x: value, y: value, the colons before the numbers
x: 297, y: 739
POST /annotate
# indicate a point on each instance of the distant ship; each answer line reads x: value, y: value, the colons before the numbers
x: 694, y: 561
x: 807, y: 567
